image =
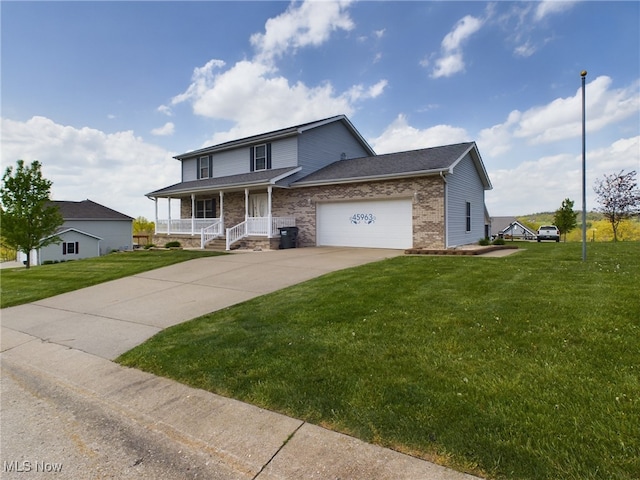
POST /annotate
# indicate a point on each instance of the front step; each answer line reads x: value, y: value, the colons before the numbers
x: 218, y: 244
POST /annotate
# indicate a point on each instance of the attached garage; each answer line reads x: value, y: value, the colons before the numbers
x: 365, y: 223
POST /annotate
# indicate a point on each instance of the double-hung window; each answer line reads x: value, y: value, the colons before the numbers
x: 203, y: 167
x: 70, y: 248
x: 260, y: 157
x: 204, y: 208
x: 468, y: 216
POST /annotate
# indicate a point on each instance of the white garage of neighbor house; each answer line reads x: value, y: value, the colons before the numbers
x: 325, y: 179
x: 89, y: 230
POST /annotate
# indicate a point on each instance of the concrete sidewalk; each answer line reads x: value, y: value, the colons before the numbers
x: 62, y: 347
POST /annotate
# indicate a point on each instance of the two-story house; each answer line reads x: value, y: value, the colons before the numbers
x: 325, y: 179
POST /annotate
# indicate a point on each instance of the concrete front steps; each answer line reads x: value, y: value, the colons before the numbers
x: 247, y: 243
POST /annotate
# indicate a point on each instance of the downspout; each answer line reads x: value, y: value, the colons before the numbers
x: 446, y: 206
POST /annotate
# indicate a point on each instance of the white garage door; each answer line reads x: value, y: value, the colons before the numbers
x: 371, y: 223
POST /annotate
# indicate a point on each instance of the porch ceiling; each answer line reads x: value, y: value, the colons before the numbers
x: 230, y: 183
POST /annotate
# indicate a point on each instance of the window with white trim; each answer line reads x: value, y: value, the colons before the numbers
x: 70, y: 248
x: 203, y: 167
x: 468, y: 216
x: 260, y: 157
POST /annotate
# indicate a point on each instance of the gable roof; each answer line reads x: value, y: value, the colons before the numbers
x: 67, y: 230
x: 504, y: 224
x: 426, y: 161
x: 88, y: 210
x: 277, y: 134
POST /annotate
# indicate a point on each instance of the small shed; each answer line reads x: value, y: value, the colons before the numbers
x: 75, y: 245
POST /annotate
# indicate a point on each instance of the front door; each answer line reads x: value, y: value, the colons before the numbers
x: 258, y: 205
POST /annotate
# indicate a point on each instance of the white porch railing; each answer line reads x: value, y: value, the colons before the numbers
x: 259, y: 227
x: 190, y: 226
x: 210, y: 233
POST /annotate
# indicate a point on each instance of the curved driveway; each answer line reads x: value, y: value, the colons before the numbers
x: 66, y: 406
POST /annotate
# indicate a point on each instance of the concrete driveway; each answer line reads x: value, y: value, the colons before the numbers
x: 66, y: 406
x: 111, y: 318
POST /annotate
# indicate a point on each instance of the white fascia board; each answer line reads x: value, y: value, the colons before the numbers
x: 372, y: 178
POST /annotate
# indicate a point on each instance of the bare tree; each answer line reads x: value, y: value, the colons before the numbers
x: 619, y: 198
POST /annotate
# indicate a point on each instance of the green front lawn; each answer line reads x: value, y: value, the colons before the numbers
x: 18, y: 286
x: 526, y: 366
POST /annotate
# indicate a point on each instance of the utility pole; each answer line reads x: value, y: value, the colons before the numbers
x: 583, y: 74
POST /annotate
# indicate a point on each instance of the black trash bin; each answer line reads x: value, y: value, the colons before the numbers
x: 288, y: 237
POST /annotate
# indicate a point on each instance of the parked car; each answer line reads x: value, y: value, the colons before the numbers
x: 548, y: 232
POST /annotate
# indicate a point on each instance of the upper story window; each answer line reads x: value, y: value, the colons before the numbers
x: 203, y: 167
x: 260, y: 157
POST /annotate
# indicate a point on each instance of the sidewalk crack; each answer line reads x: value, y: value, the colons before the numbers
x: 279, y: 450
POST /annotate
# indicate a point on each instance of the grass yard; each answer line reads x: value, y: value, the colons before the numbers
x: 522, y: 367
x: 18, y: 286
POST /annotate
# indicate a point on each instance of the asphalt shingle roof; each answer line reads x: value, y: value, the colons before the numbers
x: 88, y: 210
x: 263, y: 176
x: 393, y: 164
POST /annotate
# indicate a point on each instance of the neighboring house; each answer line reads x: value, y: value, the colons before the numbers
x: 510, y: 227
x: 89, y: 230
x: 325, y: 179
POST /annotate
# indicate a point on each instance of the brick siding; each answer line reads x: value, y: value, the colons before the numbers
x: 427, y: 194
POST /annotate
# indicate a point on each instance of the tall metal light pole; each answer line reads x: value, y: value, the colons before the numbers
x: 583, y: 74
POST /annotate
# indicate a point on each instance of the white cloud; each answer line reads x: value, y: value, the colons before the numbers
x: 525, y: 50
x: 451, y: 60
x: 167, y: 129
x: 550, y: 7
x: 561, y: 119
x: 309, y: 23
x: 115, y: 169
x: 399, y: 136
x: 166, y: 110
x: 516, y: 191
x: 255, y: 97
x: 379, y: 33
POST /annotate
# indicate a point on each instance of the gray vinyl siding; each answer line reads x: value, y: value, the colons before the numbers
x: 189, y: 169
x: 234, y: 162
x: 115, y: 234
x: 324, y: 145
x: 88, y: 247
x: 464, y: 186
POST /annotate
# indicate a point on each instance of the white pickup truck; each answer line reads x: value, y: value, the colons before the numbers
x: 548, y: 232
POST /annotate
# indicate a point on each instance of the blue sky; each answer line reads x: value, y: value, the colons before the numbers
x: 104, y: 94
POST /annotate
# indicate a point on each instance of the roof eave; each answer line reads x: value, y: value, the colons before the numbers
x: 229, y: 186
x: 370, y: 178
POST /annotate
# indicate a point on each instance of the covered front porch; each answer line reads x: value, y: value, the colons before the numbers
x: 211, y: 216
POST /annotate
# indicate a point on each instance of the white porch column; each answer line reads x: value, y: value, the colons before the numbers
x: 221, y: 210
x: 155, y: 202
x: 269, y: 225
x: 246, y: 204
x: 169, y: 221
x: 193, y: 213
